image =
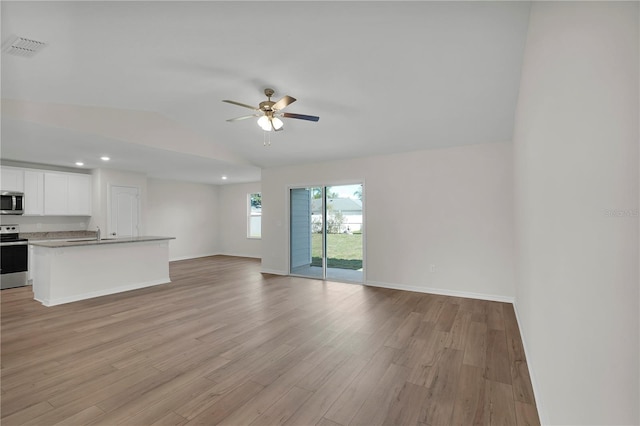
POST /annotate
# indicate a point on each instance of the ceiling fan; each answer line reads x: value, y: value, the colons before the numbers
x: 269, y: 112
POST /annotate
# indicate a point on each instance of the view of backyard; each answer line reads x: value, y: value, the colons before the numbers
x: 343, y: 250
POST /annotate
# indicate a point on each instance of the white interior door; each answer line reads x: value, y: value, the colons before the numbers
x: 123, y: 221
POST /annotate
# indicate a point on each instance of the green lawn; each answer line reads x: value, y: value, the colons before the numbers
x: 344, y: 250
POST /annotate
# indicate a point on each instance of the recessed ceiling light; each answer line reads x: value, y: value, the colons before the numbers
x: 224, y: 178
x: 79, y: 163
x: 105, y: 158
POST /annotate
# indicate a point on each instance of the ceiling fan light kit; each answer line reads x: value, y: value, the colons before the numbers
x: 268, y: 112
x: 270, y: 123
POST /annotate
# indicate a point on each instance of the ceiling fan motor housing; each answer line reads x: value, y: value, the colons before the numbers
x: 266, y: 105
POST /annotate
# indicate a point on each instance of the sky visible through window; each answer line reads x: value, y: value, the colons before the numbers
x: 345, y: 191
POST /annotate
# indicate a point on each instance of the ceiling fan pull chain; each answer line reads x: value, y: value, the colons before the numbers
x: 266, y: 138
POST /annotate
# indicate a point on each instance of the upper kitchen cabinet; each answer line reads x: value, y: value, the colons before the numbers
x: 50, y: 193
x: 56, y: 194
x: 79, y: 201
x: 11, y: 179
x: 34, y: 193
x: 67, y: 194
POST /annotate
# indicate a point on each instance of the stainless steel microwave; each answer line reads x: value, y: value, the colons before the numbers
x: 12, y: 202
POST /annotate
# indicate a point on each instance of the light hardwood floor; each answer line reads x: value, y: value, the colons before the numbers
x: 224, y: 344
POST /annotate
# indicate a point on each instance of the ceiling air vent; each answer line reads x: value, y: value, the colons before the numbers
x: 20, y: 46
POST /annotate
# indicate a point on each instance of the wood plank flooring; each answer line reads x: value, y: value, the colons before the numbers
x: 224, y: 344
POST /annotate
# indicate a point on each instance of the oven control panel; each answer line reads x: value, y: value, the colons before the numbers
x: 9, y: 229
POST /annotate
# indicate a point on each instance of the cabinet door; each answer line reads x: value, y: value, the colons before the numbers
x: 33, y: 193
x: 79, y: 195
x: 11, y: 179
x: 56, y: 190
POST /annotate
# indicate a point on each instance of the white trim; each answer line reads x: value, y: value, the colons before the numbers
x: 239, y: 255
x: 193, y: 256
x: 443, y: 292
x: 272, y: 271
x: 542, y: 414
x: 91, y: 295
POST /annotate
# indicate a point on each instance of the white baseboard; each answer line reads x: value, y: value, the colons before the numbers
x: 91, y: 295
x: 240, y: 255
x: 542, y: 414
x: 197, y: 256
x: 193, y: 256
x: 443, y: 292
x: 272, y: 271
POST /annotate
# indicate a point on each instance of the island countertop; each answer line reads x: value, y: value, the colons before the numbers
x: 69, y: 271
x: 94, y: 242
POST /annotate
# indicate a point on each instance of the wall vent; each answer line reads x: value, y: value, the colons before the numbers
x: 25, y: 47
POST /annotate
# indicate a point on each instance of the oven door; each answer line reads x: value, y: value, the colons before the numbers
x: 14, y: 257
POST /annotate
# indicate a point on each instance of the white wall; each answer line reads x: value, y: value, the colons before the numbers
x: 232, y: 220
x: 460, y: 204
x: 186, y: 211
x: 576, y: 161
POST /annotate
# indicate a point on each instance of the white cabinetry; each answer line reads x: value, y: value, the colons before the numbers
x: 50, y: 193
x: 67, y: 194
x: 33, y: 193
x: 56, y: 194
x: 11, y: 179
x: 79, y: 201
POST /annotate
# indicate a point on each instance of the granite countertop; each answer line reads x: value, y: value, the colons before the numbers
x: 57, y: 235
x: 94, y: 242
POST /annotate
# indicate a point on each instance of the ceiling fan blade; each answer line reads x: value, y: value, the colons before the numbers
x: 240, y: 104
x: 300, y: 116
x: 282, y: 103
x: 244, y: 117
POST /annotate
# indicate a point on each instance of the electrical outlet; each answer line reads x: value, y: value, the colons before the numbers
x: 432, y: 268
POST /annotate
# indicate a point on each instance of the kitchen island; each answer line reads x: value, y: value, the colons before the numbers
x: 68, y: 271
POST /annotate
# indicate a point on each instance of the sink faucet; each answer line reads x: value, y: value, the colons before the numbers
x: 98, y: 236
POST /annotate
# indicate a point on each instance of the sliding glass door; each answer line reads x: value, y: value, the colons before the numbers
x: 303, y: 221
x: 326, y: 232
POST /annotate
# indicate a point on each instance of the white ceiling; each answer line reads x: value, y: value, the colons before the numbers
x: 143, y: 81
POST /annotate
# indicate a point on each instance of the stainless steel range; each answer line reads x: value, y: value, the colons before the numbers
x: 14, y: 257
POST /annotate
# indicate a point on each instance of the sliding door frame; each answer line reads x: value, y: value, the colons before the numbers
x: 323, y: 186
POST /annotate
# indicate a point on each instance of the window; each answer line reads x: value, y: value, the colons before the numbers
x: 254, y: 219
